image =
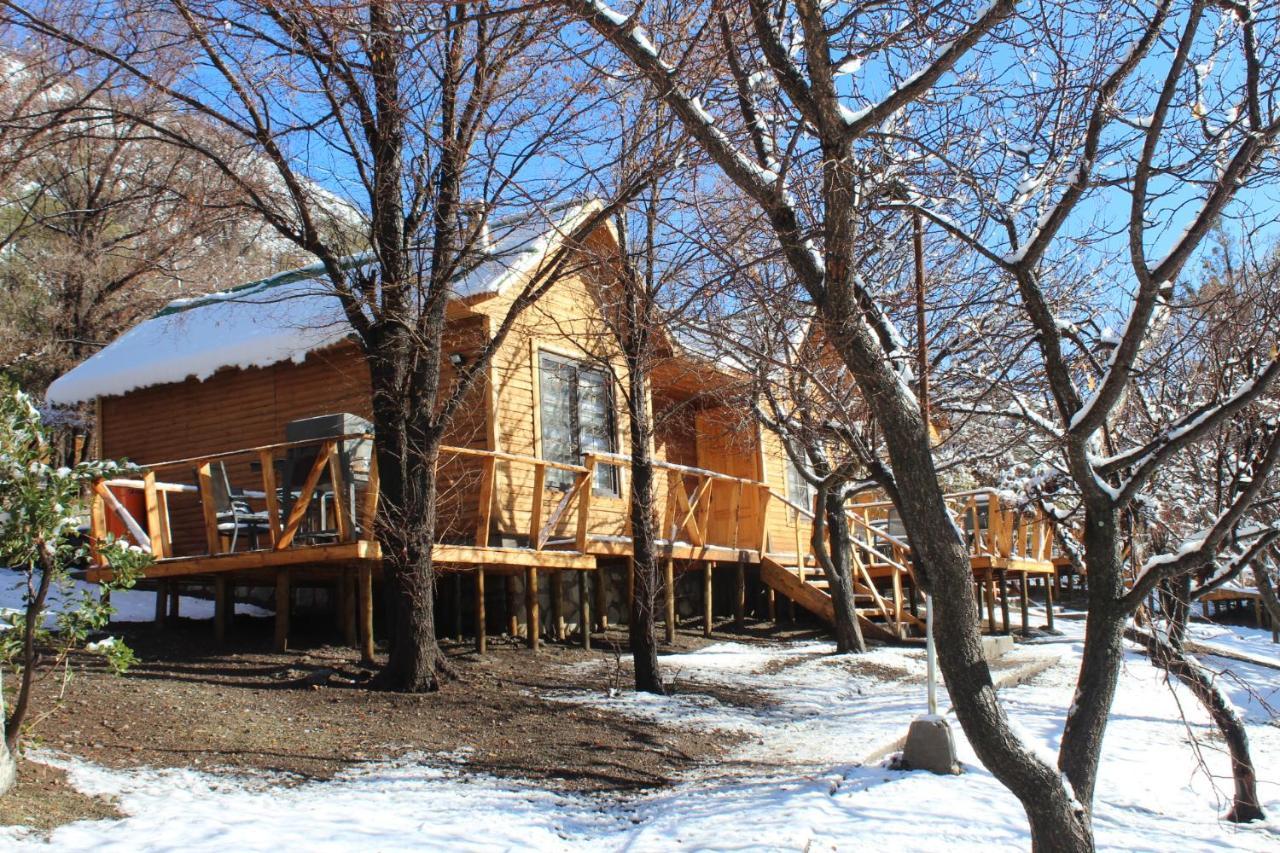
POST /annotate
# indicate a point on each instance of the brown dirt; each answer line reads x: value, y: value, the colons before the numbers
x: 308, y: 714
x: 44, y: 799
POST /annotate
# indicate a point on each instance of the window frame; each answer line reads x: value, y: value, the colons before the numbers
x: 612, y: 487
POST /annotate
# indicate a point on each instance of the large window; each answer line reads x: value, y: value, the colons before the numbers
x: 577, y: 419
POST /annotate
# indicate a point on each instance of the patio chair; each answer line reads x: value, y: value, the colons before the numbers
x: 233, y: 512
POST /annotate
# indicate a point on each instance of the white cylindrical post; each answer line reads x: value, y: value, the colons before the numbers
x: 930, y: 655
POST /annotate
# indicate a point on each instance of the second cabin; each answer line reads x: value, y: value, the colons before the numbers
x: 248, y: 414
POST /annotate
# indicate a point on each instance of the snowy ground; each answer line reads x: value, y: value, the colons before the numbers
x: 131, y: 605
x: 794, y: 785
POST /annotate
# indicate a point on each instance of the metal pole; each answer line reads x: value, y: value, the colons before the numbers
x: 930, y: 655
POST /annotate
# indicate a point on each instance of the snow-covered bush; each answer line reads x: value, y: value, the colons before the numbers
x: 41, y: 542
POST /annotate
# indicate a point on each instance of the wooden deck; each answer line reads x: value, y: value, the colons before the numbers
x: 523, y: 526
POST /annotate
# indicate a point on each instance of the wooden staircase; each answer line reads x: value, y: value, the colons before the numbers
x: 880, y: 617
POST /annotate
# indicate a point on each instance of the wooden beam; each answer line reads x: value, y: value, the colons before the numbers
x: 284, y: 602
x: 340, y: 509
x: 532, y: 614
x: 369, y: 514
x: 535, y: 515
x: 299, y: 509
x: 584, y: 503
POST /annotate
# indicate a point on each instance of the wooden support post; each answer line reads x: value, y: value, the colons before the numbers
x: 631, y: 586
x: 162, y: 602
x: 1003, y: 588
x: 175, y: 598
x: 267, y: 461
x: 557, y: 606
x: 1023, y: 590
x: 482, y: 640
x: 1048, y: 606
x: 204, y: 476
x: 584, y: 608
x: 989, y: 593
x: 532, y: 616
x: 284, y: 601
x: 220, y: 606
x: 771, y: 602
x: 364, y: 593
x: 669, y: 596
x: 707, y: 599
x: 513, y: 617
x: 601, y: 592
x: 349, y: 599
x: 740, y: 596
x: 457, y: 607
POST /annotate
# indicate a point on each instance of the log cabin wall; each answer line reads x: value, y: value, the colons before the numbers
x: 243, y: 408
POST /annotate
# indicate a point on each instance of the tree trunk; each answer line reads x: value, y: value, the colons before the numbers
x: 1086, y: 724
x: 406, y: 529
x: 1057, y: 819
x: 642, y: 626
x: 838, y: 568
x: 8, y: 767
x: 1245, y: 805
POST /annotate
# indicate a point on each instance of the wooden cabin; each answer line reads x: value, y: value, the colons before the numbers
x: 206, y: 395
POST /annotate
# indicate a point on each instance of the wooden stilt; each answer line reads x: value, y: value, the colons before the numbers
x: 284, y: 599
x: 602, y: 598
x: 364, y: 592
x: 1023, y: 585
x: 557, y: 606
x: 989, y: 593
x: 669, y: 599
x: 740, y: 596
x: 162, y: 602
x: 631, y: 585
x: 457, y: 607
x: 532, y: 616
x: 350, y: 617
x: 1002, y: 588
x: 707, y: 599
x: 584, y: 607
x: 481, y: 638
x: 1048, y: 606
x: 513, y: 617
x: 771, y: 602
x: 220, y: 602
x: 175, y: 597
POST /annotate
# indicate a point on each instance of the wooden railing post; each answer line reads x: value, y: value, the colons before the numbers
x: 484, y: 509
x: 267, y: 460
x: 97, y: 523
x: 153, y: 515
x: 539, y: 496
x: 372, y: 489
x: 584, y: 502
x: 204, y: 474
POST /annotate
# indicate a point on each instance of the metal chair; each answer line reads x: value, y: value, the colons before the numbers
x: 232, y: 508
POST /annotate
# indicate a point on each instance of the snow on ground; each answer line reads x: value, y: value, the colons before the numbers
x: 794, y: 784
x: 1252, y: 643
x: 131, y: 605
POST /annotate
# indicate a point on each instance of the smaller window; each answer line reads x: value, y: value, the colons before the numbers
x: 576, y: 409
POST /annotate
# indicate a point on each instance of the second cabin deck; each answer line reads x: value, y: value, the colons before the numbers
x: 306, y: 509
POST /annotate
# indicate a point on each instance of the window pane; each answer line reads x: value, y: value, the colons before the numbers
x: 595, y: 425
x: 556, y: 390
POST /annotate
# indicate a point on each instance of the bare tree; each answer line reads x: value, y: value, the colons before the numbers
x: 786, y: 61
x: 413, y: 115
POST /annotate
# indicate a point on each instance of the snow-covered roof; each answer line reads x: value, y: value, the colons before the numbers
x: 284, y: 317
